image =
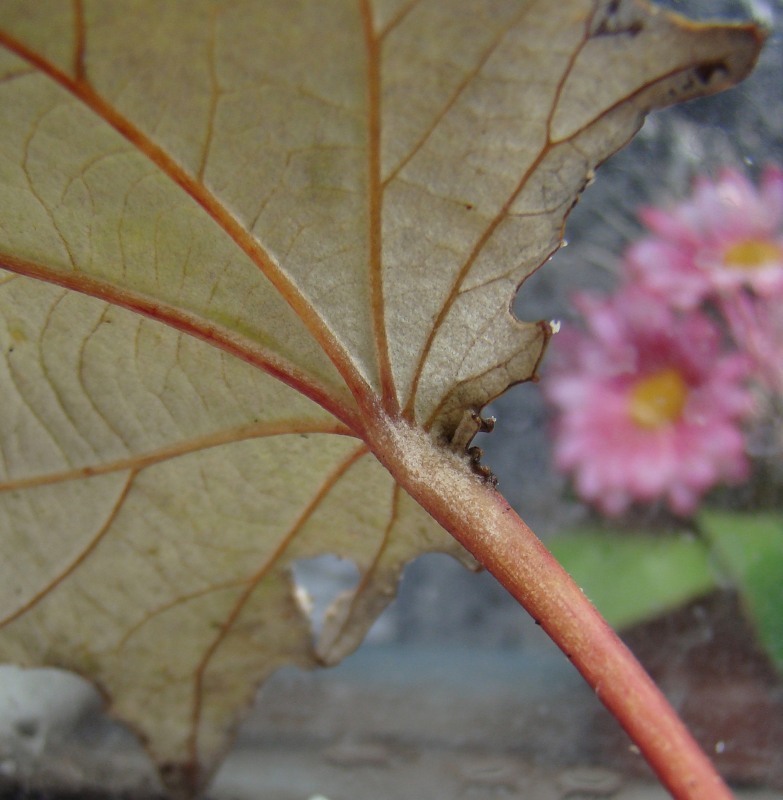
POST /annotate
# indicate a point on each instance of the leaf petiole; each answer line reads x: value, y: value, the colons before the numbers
x: 486, y: 525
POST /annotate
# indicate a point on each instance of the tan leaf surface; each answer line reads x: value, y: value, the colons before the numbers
x: 236, y: 235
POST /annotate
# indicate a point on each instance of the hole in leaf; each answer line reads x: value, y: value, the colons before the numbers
x: 319, y: 582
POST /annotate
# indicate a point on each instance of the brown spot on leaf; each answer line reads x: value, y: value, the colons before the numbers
x: 705, y: 72
x: 615, y: 23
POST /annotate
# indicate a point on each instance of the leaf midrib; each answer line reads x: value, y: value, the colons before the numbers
x: 236, y: 345
x: 363, y: 393
x: 140, y: 461
x: 361, y: 390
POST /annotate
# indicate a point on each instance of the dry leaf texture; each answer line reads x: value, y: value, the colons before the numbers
x: 237, y: 238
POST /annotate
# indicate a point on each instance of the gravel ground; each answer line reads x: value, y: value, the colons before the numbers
x: 390, y: 723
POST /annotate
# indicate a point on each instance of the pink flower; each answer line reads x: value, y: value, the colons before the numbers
x: 649, y: 407
x: 726, y: 236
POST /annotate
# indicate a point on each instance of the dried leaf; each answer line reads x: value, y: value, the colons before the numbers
x: 237, y: 238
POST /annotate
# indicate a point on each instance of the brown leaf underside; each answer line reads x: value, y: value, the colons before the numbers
x: 234, y: 247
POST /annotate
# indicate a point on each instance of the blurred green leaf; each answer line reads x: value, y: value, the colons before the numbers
x: 750, y: 549
x: 632, y: 577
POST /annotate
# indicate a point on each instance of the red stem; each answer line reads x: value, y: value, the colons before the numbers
x: 484, y: 523
x: 531, y: 574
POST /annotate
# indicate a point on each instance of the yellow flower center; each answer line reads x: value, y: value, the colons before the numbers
x: 752, y: 253
x: 658, y: 399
